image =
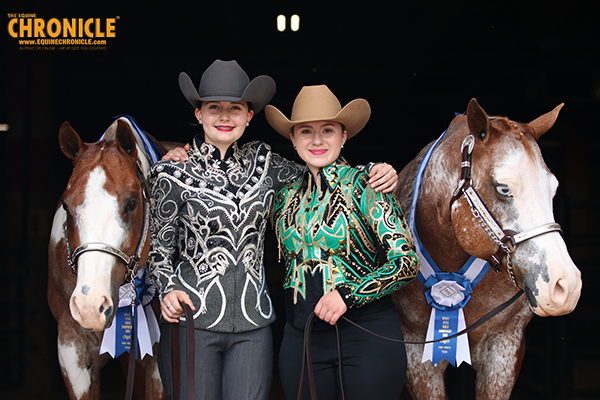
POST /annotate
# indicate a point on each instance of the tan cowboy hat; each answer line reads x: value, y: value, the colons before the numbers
x: 318, y: 103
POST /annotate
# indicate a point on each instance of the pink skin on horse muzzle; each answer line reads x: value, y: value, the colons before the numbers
x: 91, y: 303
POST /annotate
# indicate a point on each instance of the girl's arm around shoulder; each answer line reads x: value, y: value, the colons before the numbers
x: 390, y: 235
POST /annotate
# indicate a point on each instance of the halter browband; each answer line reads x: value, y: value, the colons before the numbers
x: 505, y: 239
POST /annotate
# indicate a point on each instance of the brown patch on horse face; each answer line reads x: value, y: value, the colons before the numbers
x: 469, y: 233
x: 119, y: 169
x: 486, y: 158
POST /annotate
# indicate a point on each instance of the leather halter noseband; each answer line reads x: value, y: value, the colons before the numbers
x: 505, y: 239
x: 132, y: 262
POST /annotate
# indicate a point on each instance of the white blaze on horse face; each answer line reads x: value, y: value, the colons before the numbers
x: 551, y: 280
x: 98, y: 221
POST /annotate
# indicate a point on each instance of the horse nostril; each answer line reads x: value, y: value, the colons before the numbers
x: 105, y: 306
x: 75, y: 313
x: 560, y: 293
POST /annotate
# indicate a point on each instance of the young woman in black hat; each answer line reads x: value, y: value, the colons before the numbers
x: 211, y: 207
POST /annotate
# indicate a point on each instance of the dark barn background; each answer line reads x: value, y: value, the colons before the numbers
x: 416, y: 62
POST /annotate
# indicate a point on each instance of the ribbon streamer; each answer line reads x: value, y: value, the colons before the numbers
x: 117, y: 338
x: 447, y: 292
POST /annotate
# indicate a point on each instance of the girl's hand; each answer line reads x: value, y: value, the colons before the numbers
x: 383, y: 177
x: 178, y: 153
x: 331, y: 307
x: 171, y: 305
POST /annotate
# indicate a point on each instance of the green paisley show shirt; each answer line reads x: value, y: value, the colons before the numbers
x: 340, y: 234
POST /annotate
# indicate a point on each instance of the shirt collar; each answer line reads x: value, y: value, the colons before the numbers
x: 211, y: 152
x: 329, y: 175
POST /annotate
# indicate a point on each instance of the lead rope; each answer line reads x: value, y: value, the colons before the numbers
x: 133, y: 341
x: 306, y: 351
x: 190, y: 357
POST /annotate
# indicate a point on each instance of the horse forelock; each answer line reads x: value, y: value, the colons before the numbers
x: 503, y: 126
x: 95, y: 155
x: 86, y: 162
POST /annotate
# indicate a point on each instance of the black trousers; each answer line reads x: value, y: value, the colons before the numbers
x: 373, y: 368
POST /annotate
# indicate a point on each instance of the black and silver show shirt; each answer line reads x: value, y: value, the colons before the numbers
x: 208, y: 227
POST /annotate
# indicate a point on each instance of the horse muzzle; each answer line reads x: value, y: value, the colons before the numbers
x: 558, y: 297
x: 552, y: 283
x: 92, y: 313
x: 95, y: 298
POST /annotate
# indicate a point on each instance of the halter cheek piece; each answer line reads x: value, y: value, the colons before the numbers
x: 505, y: 239
x: 132, y: 262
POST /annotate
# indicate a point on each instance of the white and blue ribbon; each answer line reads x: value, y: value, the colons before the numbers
x: 117, y: 338
x: 447, y: 292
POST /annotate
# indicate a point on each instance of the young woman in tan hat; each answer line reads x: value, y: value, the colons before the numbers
x: 346, y: 248
x: 211, y: 209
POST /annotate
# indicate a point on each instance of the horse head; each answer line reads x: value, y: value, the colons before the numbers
x: 513, y: 226
x: 104, y: 206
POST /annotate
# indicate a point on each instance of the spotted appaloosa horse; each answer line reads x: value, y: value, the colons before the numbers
x: 103, y: 202
x: 510, y: 175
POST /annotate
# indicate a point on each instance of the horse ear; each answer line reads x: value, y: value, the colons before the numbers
x: 125, y: 138
x: 478, y: 120
x: 542, y: 124
x: 70, y: 143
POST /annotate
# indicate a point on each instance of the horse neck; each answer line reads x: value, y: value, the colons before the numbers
x: 433, y: 215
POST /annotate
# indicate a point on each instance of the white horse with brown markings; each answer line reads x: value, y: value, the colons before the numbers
x: 486, y: 192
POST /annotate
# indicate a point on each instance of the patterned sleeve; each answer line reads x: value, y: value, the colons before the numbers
x: 164, y: 220
x: 284, y: 171
x: 383, y: 224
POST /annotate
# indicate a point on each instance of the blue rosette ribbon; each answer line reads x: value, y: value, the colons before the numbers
x: 117, y: 338
x: 448, y: 291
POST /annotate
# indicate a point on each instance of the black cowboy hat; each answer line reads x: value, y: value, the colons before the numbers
x: 227, y: 81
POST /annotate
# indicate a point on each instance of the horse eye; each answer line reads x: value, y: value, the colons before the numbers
x: 131, y: 204
x: 503, y: 190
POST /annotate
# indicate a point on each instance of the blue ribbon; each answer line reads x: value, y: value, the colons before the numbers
x: 457, y: 284
x: 446, y: 324
x: 448, y: 276
x: 123, y: 332
x: 145, y: 293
